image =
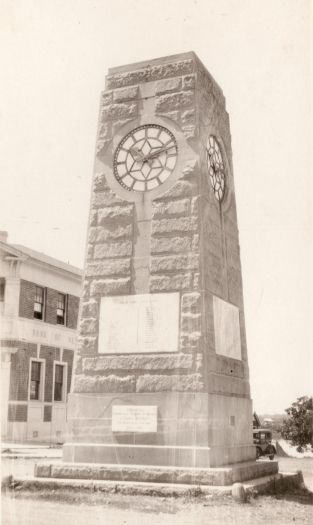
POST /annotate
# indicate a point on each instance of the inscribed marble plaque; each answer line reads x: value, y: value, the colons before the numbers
x: 226, y: 328
x: 139, y: 323
x: 133, y: 418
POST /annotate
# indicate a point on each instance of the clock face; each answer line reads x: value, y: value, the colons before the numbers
x: 216, y: 168
x: 145, y: 158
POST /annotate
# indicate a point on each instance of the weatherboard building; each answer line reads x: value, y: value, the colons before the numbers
x: 39, y: 303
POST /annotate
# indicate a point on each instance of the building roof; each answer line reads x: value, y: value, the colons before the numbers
x: 42, y: 257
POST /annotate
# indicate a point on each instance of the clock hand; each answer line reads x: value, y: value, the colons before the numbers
x: 156, y: 153
x: 136, y: 153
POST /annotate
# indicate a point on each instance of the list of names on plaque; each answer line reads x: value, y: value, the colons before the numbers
x: 139, y: 323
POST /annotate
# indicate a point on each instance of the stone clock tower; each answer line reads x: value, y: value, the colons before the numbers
x: 162, y: 376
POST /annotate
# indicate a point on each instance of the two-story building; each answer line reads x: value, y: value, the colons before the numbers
x: 39, y: 303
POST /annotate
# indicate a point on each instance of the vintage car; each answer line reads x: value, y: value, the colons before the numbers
x: 262, y: 438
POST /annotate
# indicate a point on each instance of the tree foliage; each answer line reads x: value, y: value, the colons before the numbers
x: 298, y: 427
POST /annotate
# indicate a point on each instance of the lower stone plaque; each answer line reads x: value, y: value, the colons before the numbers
x: 134, y: 418
x: 139, y: 323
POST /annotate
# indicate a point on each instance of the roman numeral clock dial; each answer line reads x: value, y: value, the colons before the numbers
x: 145, y: 158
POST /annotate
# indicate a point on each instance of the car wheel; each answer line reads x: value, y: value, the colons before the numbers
x: 270, y: 451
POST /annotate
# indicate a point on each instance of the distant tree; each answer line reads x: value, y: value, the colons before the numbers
x: 298, y: 427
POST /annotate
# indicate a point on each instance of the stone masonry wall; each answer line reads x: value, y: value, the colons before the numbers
x: 220, y: 242
x: 177, y: 260
x: 174, y: 258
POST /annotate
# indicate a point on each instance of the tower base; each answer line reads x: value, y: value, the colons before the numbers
x: 223, y: 476
x: 153, y: 455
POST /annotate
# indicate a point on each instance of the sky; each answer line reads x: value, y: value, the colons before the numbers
x: 54, y: 58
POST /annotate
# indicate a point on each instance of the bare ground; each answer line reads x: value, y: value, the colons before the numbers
x: 95, y: 508
x: 92, y: 508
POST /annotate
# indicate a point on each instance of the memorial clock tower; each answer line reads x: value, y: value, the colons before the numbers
x: 162, y: 375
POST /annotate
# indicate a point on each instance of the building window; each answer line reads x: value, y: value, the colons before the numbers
x: 39, y: 302
x: 35, y: 379
x: 59, y: 380
x: 2, y: 289
x: 61, y: 305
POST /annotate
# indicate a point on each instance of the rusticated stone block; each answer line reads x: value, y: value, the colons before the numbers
x: 191, y: 168
x: 177, y: 207
x: 89, y: 252
x: 137, y: 362
x: 115, y: 212
x: 161, y: 475
x: 199, y: 362
x: 93, y: 217
x: 182, y: 188
x: 42, y: 471
x: 78, y: 365
x: 189, y: 131
x: 100, y: 384
x: 102, y: 145
x: 117, y: 124
x: 188, y: 117
x: 173, y: 225
x: 170, y: 244
x: 191, y: 302
x: 190, y: 340
x: 105, y: 131
x: 174, y: 101
x: 195, y: 205
x: 190, y: 322
x: 123, y: 94
x: 110, y: 232
x: 90, y: 308
x: 105, y: 198
x: 113, y: 249
x: 108, y: 267
x: 189, y: 82
x: 196, y: 281
x: 174, y: 262
x: 168, y: 84
x: 99, y: 182
x: 92, y: 234
x: 161, y: 283
x: 149, y: 73
x: 88, y: 326
x: 110, y: 286
x: 106, y: 98
x: 118, y: 111
x: 86, y: 290
x: 172, y: 115
x: 87, y: 345
x: 195, y: 242
x: 168, y: 383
